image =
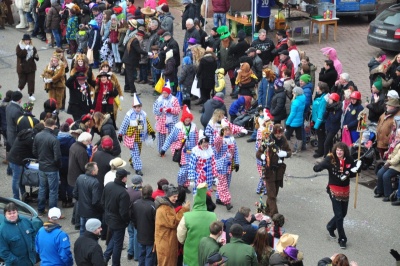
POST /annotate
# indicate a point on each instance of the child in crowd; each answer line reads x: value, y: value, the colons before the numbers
x: 220, y: 84
x: 277, y: 230
x: 97, y: 15
x: 94, y: 43
x: 114, y: 43
x: 72, y: 29
x: 186, y: 79
x: 237, y: 108
x: 105, y: 51
x: 156, y: 66
x: 82, y: 38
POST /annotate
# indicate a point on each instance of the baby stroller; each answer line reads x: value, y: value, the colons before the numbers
x: 246, y: 120
x: 369, y: 152
x: 30, y: 177
x: 311, y: 135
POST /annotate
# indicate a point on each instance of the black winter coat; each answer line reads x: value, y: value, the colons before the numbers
x: 78, y: 158
x: 144, y: 220
x: 115, y: 201
x: 247, y: 89
x: 206, y: 72
x: 328, y: 76
x: 189, y: 12
x: 79, y: 103
x: 171, y: 44
x: 87, y: 192
x: 94, y: 40
x: 249, y: 232
x: 46, y: 148
x: 107, y: 128
x: 339, y: 89
x: 87, y: 251
x: 26, y: 121
x: 333, y: 116
x: 266, y: 48
x: 169, y: 70
x: 239, y: 50
x: 13, y: 112
x: 22, y: 147
x: 132, y: 55
x: 376, y: 109
x: 278, y: 109
x: 102, y: 158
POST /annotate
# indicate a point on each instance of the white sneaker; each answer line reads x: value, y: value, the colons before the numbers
x: 32, y: 98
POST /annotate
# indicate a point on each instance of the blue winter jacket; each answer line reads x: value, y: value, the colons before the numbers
x: 295, y: 118
x: 351, y: 115
x: 269, y: 89
x: 333, y: 116
x: 66, y: 140
x: 307, y: 89
x: 237, y: 106
x: 53, y: 246
x: 318, y: 110
x: 94, y: 41
x: 17, y: 242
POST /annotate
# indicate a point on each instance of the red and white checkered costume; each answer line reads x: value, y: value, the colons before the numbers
x: 202, y: 167
x: 213, y: 129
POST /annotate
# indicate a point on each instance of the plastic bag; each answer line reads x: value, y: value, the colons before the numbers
x: 346, y: 137
x: 149, y: 142
x: 89, y: 56
x: 160, y: 84
x: 195, y: 91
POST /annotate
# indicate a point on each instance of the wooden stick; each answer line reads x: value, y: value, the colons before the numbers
x: 358, y: 158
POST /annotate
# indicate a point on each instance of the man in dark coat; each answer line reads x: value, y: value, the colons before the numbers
x: 213, y: 40
x: 102, y: 158
x: 87, y: 250
x: 80, y: 100
x: 190, y: 12
x: 170, y: 44
x: 206, y: 76
x: 87, y: 192
x: 217, y: 102
x: 280, y: 46
x: 191, y: 32
x: 264, y: 47
x: 131, y: 59
x: 328, y: 74
x: 13, y: 112
x: 257, y: 65
x: 115, y: 201
x: 135, y: 193
x: 46, y: 148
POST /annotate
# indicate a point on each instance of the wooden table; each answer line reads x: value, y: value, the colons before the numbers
x: 320, y: 23
x: 239, y: 20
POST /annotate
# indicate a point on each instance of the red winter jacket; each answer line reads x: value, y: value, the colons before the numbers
x: 221, y: 6
x: 113, y: 36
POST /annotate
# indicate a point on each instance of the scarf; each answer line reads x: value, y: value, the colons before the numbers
x: 79, y: 68
x: 29, y: 54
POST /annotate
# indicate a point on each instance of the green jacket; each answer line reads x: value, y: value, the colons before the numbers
x: 197, y: 223
x: 239, y: 253
x: 207, y: 246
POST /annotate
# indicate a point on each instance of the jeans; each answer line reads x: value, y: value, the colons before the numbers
x: 29, y: 17
x: 143, y: 72
x: 146, y: 255
x: 39, y: 25
x: 384, y: 184
x: 48, y: 181
x: 219, y: 17
x: 262, y: 95
x: 16, y: 180
x: 133, y: 246
x: 114, y: 247
x: 82, y: 229
x: 156, y: 74
x: 339, y: 211
x: 57, y: 37
x: 114, y: 47
x: 254, y: 134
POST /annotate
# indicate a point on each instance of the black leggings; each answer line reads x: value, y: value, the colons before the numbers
x: 321, y: 134
x: 328, y: 142
x: 289, y: 132
x: 260, y: 21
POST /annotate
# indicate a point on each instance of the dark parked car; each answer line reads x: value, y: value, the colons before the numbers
x: 24, y: 210
x: 384, y: 31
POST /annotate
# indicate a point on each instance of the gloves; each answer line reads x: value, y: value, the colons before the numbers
x: 236, y: 167
x: 168, y: 110
x: 120, y: 138
x: 262, y: 157
x: 355, y: 168
x: 282, y: 154
x: 162, y: 153
x: 244, y: 131
x: 121, y: 98
x: 153, y: 136
x: 395, y: 254
x: 386, y: 165
x: 161, y: 110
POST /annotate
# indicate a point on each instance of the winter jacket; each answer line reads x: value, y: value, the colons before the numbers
x: 239, y: 49
x: 384, y: 128
x: 190, y: 33
x: 22, y: 147
x: 237, y: 107
x: 203, y: 36
x: 171, y: 44
x: 325, y: 262
x: 278, y: 109
x: 113, y: 36
x: 144, y: 219
x: 188, y: 73
x: 87, y: 251
x: 270, y: 90
x: 43, y: 6
x: 227, y: 60
x: 297, y: 75
x: 78, y: 158
x: 266, y: 48
x: 239, y: 253
x: 206, y: 72
x: 194, y: 225
x: 46, y: 148
x: 286, y: 64
x: 307, y: 89
x: 105, y: 31
x: 209, y: 108
x: 132, y: 54
x: 80, y: 100
x: 288, y: 84
x: 107, y: 128
x: 87, y: 192
x: 328, y: 76
x: 376, y: 109
x: 207, y: 246
x: 248, y: 88
x: 333, y: 116
x: 25, y: 66
x: 221, y: 6
x: 53, y: 18
x: 72, y: 28
x: 277, y: 259
x: 94, y: 40
x: 13, y: 112
x: 214, y: 42
x: 26, y: 121
x: 115, y: 201
x: 394, y: 158
x: 82, y: 38
x: 318, y: 110
x: 249, y: 232
x: 3, y: 117
x: 257, y: 66
x: 169, y: 70
x: 333, y: 170
x: 373, y: 63
x: 102, y: 158
x: 189, y: 12
x: 280, y: 46
x: 351, y: 115
x: 66, y: 140
x: 17, y: 242
x: 53, y: 246
x: 167, y: 22
x: 295, y: 118
x: 339, y: 89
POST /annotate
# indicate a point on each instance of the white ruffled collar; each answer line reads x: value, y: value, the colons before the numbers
x: 203, y: 154
x: 181, y: 126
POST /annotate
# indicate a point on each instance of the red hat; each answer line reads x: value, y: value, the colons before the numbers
x: 186, y: 113
x: 140, y: 33
x: 69, y: 121
x: 107, y: 143
x: 334, y: 96
x: 166, y: 89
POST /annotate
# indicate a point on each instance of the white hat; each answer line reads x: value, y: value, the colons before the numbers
x: 201, y: 135
x: 136, y: 100
x: 70, y: 5
x: 92, y: 224
x: 117, y: 162
x: 393, y: 94
x: 54, y: 213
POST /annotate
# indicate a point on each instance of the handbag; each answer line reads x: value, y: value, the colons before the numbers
x: 178, y: 153
x: 346, y: 137
x: 89, y: 56
x: 160, y: 84
x: 195, y: 90
x: 179, y: 95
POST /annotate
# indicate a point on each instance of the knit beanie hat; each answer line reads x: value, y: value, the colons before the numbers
x: 170, y: 190
x: 92, y: 225
x: 241, y: 34
x: 165, y: 8
x: 298, y: 91
x: 305, y: 77
x: 16, y: 96
x: 378, y: 84
x: 186, y: 113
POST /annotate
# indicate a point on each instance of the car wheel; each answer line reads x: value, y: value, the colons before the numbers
x: 371, y: 17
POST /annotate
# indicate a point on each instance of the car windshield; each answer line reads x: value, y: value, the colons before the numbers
x: 21, y: 210
x: 390, y: 17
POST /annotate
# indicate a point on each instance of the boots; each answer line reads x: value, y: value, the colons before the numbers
x: 22, y: 20
x: 297, y: 147
x: 31, y: 27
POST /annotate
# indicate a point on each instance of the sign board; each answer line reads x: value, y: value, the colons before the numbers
x: 240, y: 6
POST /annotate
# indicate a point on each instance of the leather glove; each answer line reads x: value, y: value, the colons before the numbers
x: 282, y: 154
x: 153, y: 136
x: 236, y: 167
x: 162, y: 153
x: 395, y: 254
x: 120, y: 138
x: 168, y: 110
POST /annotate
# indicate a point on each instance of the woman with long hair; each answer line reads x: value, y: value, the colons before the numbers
x: 336, y: 260
x: 262, y: 246
x: 103, y: 125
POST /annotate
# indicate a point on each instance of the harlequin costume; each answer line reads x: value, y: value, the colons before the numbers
x: 167, y: 112
x: 212, y: 130
x: 135, y: 129
x: 202, y: 165
x: 227, y: 158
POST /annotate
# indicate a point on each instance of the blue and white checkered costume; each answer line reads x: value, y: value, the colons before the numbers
x: 202, y: 167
